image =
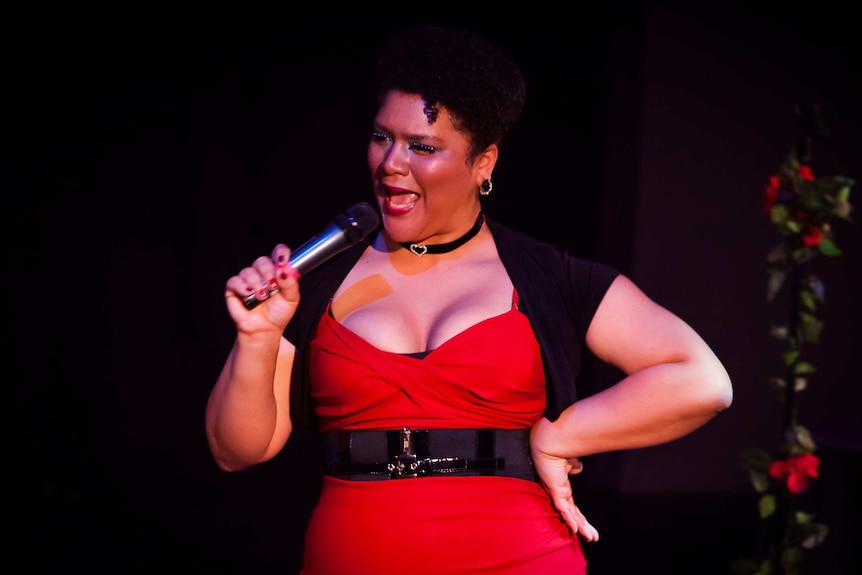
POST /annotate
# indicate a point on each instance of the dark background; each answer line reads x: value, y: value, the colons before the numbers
x: 149, y: 153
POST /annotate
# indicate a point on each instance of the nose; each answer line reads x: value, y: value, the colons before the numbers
x: 395, y: 159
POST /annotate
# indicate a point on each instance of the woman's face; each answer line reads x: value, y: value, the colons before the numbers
x: 425, y: 185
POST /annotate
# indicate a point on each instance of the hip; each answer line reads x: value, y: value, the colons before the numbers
x: 468, y: 525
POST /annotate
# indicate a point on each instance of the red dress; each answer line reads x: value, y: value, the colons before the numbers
x: 489, y: 375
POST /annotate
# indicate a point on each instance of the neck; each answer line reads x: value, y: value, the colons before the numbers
x: 422, y: 249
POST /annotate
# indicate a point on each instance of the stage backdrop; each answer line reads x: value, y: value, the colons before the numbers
x: 147, y: 159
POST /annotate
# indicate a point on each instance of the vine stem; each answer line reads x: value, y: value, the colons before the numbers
x: 795, y: 345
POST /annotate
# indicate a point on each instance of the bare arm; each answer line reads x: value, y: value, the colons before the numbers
x: 248, y: 412
x: 674, y: 384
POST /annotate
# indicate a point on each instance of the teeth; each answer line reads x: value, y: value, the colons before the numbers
x: 403, y: 200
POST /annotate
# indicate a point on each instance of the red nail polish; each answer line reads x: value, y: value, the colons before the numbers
x: 283, y: 276
x: 273, y: 284
x: 261, y: 294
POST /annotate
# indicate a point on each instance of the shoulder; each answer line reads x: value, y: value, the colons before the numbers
x: 525, y: 254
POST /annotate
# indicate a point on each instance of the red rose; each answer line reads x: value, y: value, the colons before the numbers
x: 771, y: 194
x: 797, y: 470
x: 812, y: 236
x: 805, y: 172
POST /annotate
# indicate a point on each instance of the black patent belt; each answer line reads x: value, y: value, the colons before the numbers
x: 370, y: 455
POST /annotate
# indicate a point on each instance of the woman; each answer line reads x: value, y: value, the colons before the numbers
x: 438, y: 358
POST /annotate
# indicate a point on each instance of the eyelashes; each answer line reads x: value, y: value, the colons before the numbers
x: 423, y: 147
x: 380, y: 137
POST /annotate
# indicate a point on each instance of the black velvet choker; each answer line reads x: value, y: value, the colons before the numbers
x: 422, y: 249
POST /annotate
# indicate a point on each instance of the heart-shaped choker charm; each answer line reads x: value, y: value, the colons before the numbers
x: 418, y: 249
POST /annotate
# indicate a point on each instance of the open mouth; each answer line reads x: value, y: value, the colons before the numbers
x: 400, y: 201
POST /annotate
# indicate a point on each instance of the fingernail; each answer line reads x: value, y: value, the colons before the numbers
x: 283, y: 276
x: 281, y: 260
x: 273, y: 284
x: 261, y: 294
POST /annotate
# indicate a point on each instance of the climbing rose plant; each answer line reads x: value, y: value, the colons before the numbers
x: 802, y: 208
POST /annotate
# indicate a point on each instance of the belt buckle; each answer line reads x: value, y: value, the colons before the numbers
x: 406, y: 464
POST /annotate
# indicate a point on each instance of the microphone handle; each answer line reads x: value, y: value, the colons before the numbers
x: 346, y: 230
x: 331, y: 241
x: 251, y: 301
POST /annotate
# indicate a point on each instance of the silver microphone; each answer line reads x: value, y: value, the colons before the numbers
x: 345, y: 230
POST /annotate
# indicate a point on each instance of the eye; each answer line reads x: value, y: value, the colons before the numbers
x: 424, y: 148
x: 379, y: 137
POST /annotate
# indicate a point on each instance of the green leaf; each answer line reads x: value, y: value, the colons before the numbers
x: 803, y: 367
x: 766, y: 505
x: 778, y: 214
x: 803, y: 436
x: 790, y: 357
x: 802, y: 517
x: 774, y: 281
x: 757, y: 462
x: 759, y: 480
x: 828, y: 248
x: 845, y: 180
x: 808, y: 300
x: 811, y: 327
x: 843, y: 210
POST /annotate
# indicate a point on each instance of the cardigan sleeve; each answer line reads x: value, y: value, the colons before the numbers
x: 559, y: 294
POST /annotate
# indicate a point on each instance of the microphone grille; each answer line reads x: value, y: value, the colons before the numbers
x: 358, y: 221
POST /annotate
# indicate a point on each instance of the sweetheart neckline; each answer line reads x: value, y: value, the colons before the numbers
x: 424, y: 354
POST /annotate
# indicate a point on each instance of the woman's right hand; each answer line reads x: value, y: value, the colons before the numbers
x: 271, y: 280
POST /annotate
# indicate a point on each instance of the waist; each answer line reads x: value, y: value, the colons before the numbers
x: 371, y: 455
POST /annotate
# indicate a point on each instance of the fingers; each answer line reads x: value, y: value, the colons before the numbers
x: 584, y: 527
x: 257, y: 282
x: 263, y: 279
x: 574, y: 518
x: 281, y: 255
x: 555, y: 474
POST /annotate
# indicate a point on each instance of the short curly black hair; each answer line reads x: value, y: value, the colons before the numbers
x: 481, y: 86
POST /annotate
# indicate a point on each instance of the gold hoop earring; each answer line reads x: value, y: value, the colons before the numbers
x: 485, y: 188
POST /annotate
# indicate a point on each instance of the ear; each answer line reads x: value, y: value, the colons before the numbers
x: 483, y: 166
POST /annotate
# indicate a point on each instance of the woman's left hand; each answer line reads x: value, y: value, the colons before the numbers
x: 554, y: 473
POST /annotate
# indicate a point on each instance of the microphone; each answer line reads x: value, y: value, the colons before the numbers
x: 345, y: 230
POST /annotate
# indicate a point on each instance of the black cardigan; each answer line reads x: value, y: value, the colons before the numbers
x: 557, y: 292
